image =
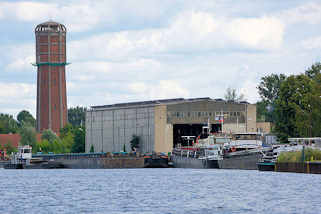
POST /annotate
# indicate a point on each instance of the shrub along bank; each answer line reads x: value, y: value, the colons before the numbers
x: 308, y: 154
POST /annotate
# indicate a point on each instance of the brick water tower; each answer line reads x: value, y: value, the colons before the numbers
x: 51, y: 78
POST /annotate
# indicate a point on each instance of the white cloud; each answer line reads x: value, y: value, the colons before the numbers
x: 15, y: 97
x: 82, y: 15
x: 250, y: 91
x: 307, y: 13
x: 312, y: 43
x: 163, y: 89
x: 257, y: 33
x: 189, y: 32
x: 138, y: 87
x: 19, y: 57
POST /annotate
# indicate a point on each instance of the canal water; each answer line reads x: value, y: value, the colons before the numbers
x: 158, y: 191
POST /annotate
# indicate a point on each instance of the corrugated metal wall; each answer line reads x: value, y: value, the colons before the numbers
x: 109, y: 130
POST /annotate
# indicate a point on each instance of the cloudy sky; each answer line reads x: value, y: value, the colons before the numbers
x: 134, y: 50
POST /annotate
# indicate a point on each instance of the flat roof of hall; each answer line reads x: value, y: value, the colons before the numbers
x: 161, y: 101
x: 151, y: 102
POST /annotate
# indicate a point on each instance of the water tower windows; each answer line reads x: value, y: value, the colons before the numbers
x: 54, y: 48
x: 54, y: 58
x: 43, y: 58
x: 54, y: 28
x: 43, y: 48
x: 54, y: 38
x: 43, y: 39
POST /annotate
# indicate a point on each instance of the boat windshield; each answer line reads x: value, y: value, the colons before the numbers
x: 222, y: 140
x: 26, y: 151
x: 247, y: 137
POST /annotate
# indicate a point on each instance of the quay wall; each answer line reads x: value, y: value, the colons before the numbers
x: 307, y: 167
x: 103, y: 163
x: 2, y: 163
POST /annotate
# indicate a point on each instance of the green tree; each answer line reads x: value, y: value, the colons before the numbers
x: 92, y: 150
x: 261, y: 111
x: 269, y: 90
x: 49, y: 135
x: 314, y: 70
x: 77, y: 116
x: 79, y: 141
x: 269, y: 87
x: 67, y: 137
x: 8, y: 124
x: 134, y: 142
x: 298, y: 107
x: 68, y: 128
x: 10, y: 148
x: 42, y: 146
x: 28, y: 135
x: 308, y: 113
x: 231, y: 95
x: 25, y: 118
x: 68, y: 141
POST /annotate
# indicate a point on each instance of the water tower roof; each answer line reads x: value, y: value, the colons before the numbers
x: 50, y: 26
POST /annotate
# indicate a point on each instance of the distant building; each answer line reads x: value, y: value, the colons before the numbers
x: 51, y: 80
x: 14, y: 139
x: 160, y: 124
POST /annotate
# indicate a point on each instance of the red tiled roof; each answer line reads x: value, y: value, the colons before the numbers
x: 14, y: 139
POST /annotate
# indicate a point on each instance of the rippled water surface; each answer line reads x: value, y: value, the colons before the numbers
x: 158, y: 191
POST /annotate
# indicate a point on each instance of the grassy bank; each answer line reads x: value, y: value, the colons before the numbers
x: 309, y: 155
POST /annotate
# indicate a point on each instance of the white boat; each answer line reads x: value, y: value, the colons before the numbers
x: 20, y: 159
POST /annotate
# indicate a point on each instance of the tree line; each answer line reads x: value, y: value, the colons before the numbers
x: 292, y: 103
x: 71, y: 138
